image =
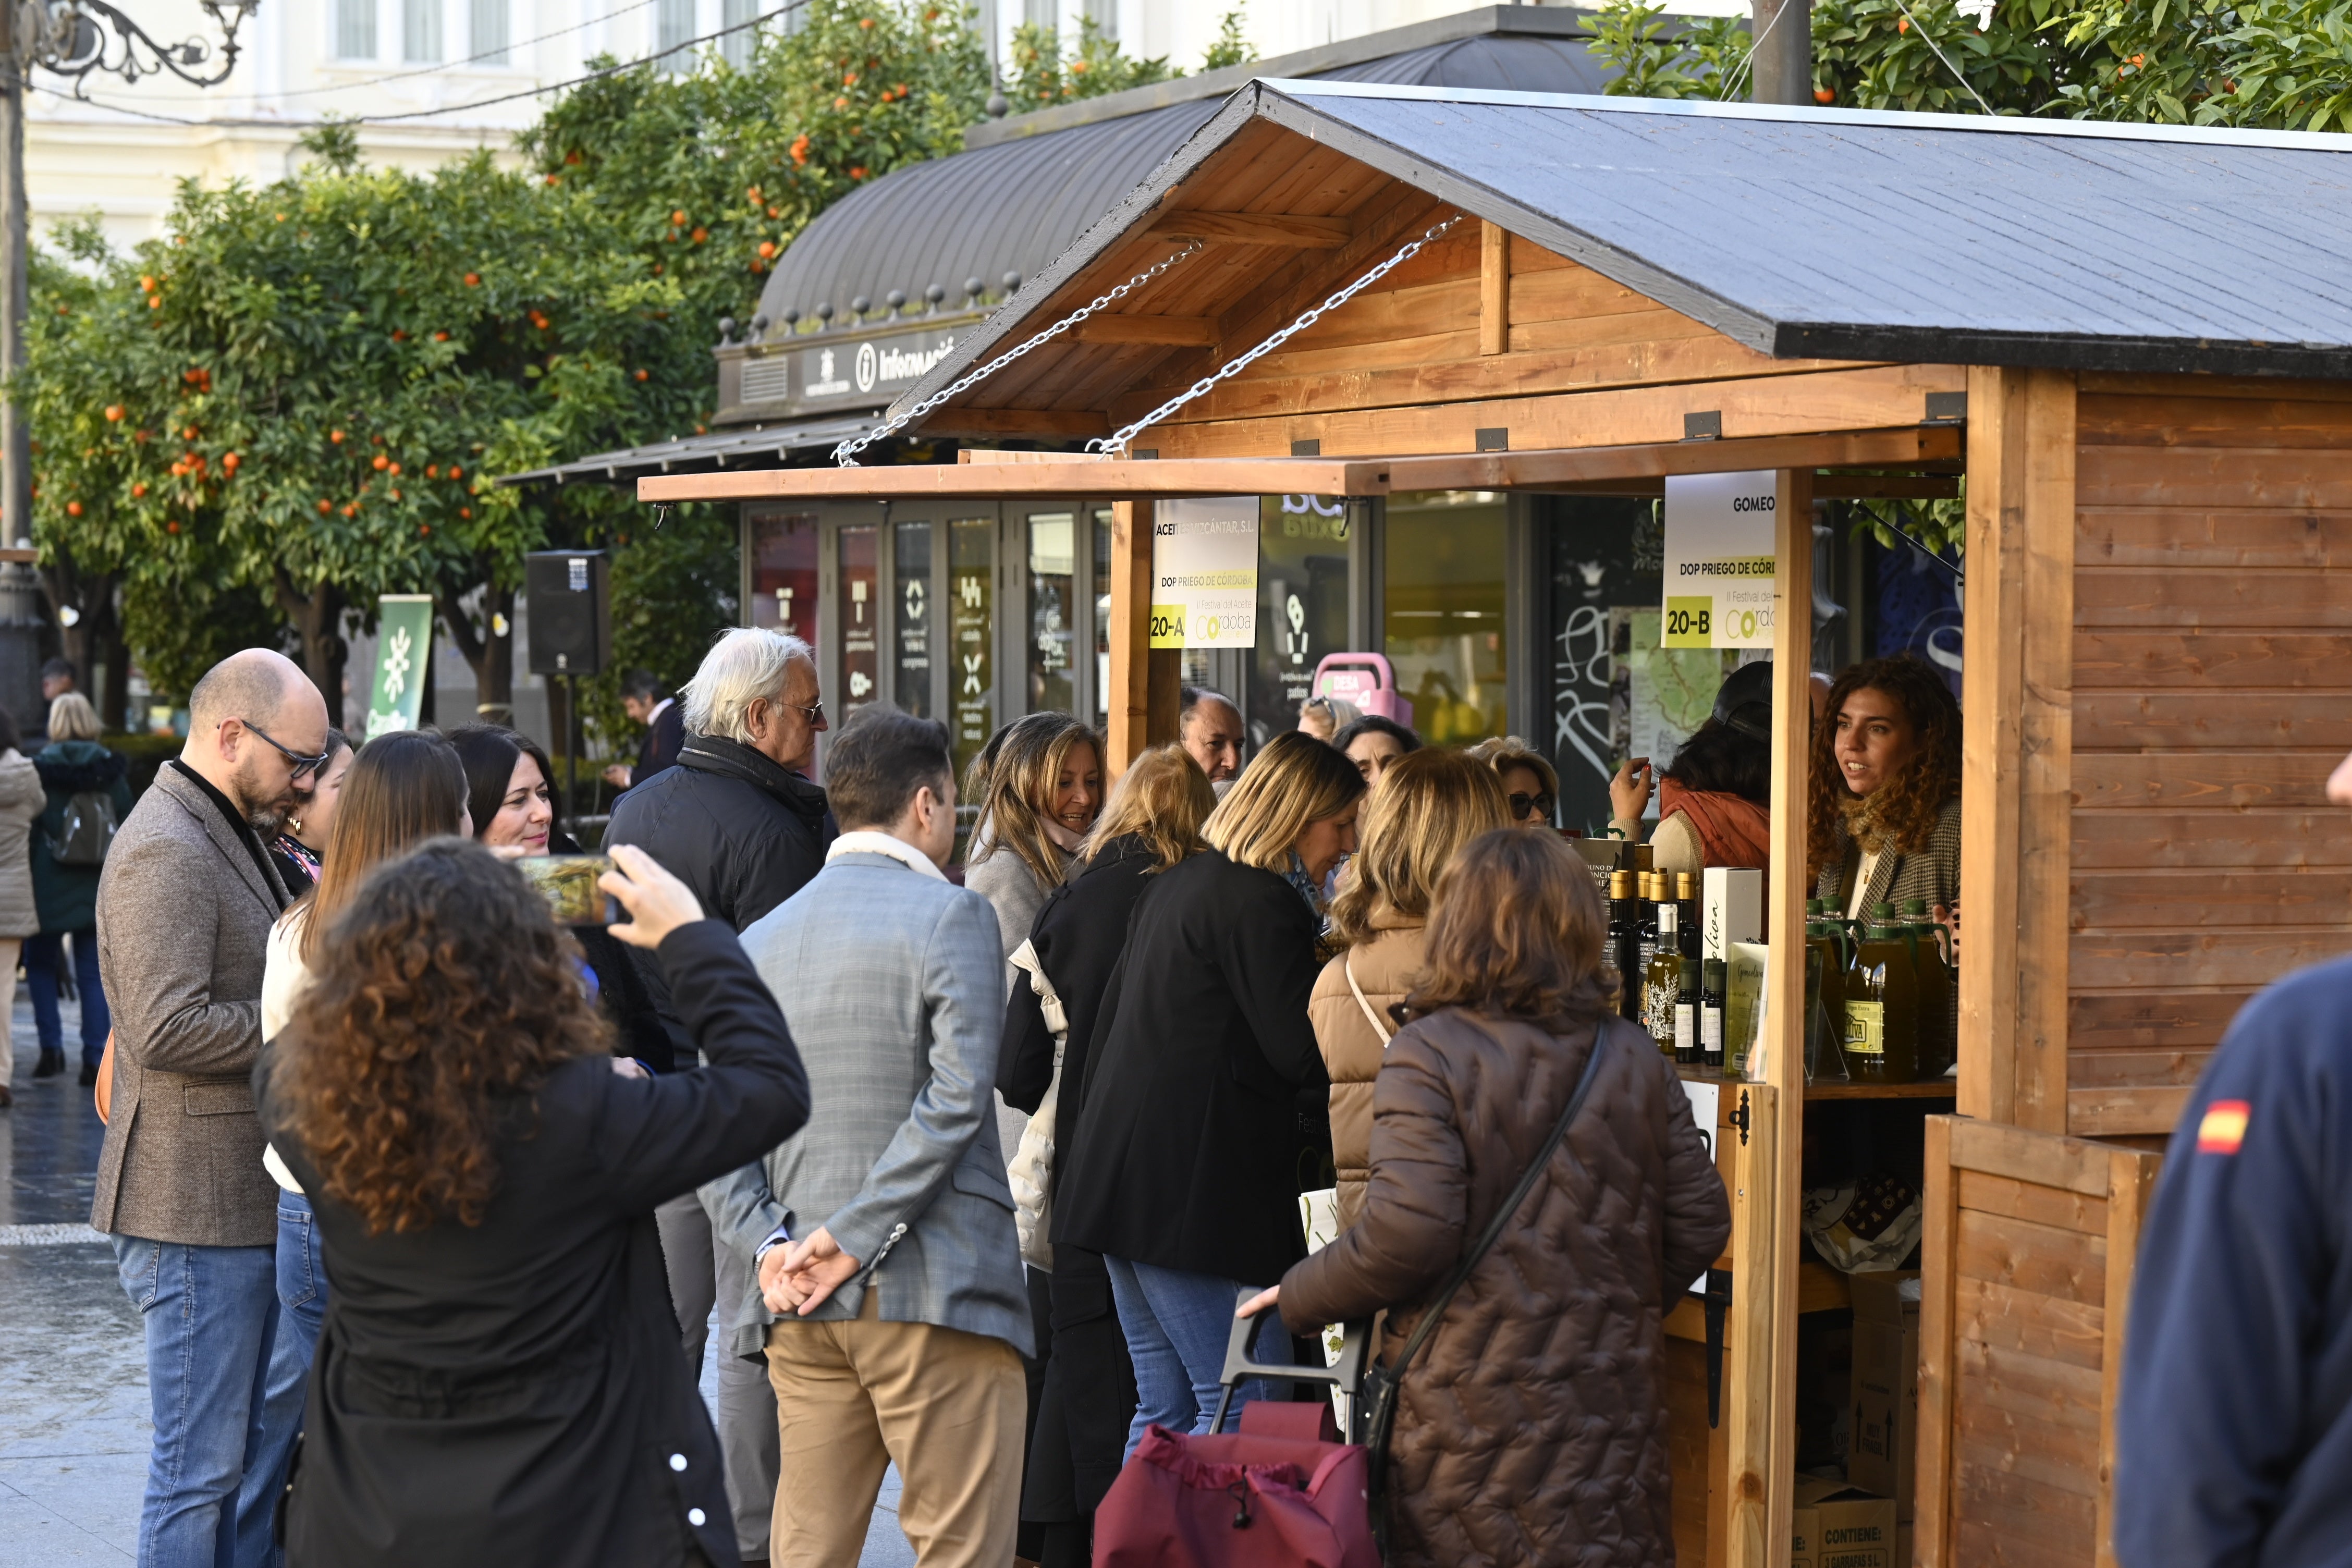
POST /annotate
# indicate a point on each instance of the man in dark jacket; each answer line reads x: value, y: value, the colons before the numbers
x: 738, y: 821
x: 648, y: 700
x: 2234, y: 1428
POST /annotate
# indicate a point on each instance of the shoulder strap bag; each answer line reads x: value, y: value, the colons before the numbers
x: 1380, y: 1382
x: 1348, y: 968
x: 1030, y: 1173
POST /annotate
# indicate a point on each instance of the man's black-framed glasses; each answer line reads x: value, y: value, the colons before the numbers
x: 302, y: 763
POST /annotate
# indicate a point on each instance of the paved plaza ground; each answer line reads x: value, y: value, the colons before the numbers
x: 73, y: 1377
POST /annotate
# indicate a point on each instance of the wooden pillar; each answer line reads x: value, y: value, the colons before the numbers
x: 2017, y: 743
x: 1765, y: 1215
x: 1143, y: 700
x: 1494, y: 288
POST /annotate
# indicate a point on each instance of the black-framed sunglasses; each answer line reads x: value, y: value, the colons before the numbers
x: 303, y: 764
x: 1522, y: 805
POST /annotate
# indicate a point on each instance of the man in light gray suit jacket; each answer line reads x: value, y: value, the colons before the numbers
x: 185, y: 908
x: 889, y: 1302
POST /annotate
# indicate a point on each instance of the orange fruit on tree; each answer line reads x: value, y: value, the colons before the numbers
x: 336, y: 437
x: 113, y: 412
x: 73, y: 509
x: 382, y: 462
x: 138, y: 489
x: 325, y: 507
x: 678, y: 217
x: 455, y: 471
x: 230, y: 462
x: 473, y: 280
x: 391, y: 467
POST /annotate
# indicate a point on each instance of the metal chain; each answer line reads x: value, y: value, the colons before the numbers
x: 1117, y: 443
x: 842, y: 453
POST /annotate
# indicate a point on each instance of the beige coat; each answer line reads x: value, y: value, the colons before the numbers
x: 1386, y: 968
x: 184, y: 919
x: 22, y: 797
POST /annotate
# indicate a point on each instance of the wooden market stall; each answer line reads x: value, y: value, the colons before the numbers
x: 2152, y: 433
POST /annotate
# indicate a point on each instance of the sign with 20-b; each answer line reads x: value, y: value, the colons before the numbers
x: 1720, y: 560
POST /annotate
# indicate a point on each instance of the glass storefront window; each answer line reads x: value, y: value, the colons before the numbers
x: 1102, y: 618
x: 972, y: 689
x: 859, y: 616
x: 910, y: 565
x: 1443, y: 611
x: 1053, y: 682
x: 784, y: 570
x: 1302, y: 574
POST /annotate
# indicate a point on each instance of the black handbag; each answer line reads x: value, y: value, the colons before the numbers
x: 1378, y: 1400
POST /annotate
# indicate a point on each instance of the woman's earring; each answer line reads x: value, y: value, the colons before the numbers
x: 295, y: 824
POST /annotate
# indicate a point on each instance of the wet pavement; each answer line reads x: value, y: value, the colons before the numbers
x: 74, y: 1430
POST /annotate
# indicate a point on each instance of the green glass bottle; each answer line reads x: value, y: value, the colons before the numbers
x: 1882, y: 1002
x: 1938, y: 991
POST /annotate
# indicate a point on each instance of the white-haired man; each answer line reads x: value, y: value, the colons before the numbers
x: 739, y: 822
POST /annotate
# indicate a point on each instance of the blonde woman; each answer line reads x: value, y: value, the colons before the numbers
x: 1428, y: 805
x: 1152, y: 823
x: 1039, y: 795
x: 1531, y: 787
x: 1185, y: 1163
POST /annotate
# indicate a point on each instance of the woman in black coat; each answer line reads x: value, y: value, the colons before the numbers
x: 1079, y: 1412
x: 498, y: 1380
x: 1183, y: 1168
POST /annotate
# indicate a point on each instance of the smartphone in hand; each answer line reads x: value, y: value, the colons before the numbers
x: 568, y: 882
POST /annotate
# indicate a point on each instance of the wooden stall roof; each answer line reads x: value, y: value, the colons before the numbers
x: 1829, y: 234
x: 1928, y: 445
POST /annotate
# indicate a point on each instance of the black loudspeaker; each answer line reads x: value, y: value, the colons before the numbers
x: 571, y: 598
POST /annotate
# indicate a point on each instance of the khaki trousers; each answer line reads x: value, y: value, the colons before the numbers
x: 852, y: 1399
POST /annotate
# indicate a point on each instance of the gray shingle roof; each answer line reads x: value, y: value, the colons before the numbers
x: 1848, y: 234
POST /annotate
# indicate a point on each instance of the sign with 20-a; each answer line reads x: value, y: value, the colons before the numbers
x: 1720, y: 560
x: 1204, y: 573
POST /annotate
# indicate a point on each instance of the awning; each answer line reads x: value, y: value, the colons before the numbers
x: 761, y: 446
x: 1046, y: 475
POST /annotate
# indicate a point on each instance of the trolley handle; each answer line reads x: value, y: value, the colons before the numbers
x: 1346, y: 1374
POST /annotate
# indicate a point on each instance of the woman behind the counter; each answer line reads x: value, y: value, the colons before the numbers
x: 1883, y: 821
x: 1715, y: 804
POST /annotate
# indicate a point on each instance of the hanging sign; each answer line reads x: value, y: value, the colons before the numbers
x: 1720, y: 559
x: 1204, y: 573
x: 403, y: 642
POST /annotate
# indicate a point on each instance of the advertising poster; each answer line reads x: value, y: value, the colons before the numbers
x: 1204, y: 573
x: 403, y: 644
x: 1719, y: 559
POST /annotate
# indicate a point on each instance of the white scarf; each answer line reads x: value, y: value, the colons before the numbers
x: 873, y: 841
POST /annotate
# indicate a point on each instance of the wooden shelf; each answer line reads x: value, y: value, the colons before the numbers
x: 1933, y: 1088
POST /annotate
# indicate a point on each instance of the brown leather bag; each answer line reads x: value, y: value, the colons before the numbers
x: 104, y: 1093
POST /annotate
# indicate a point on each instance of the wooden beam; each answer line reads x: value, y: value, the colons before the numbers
x: 2131, y: 1188
x: 1932, y: 1458
x: 1278, y: 229
x: 1885, y: 487
x: 2017, y: 740
x: 1053, y: 424
x: 1749, y: 1410
x: 1185, y: 330
x: 1129, y: 700
x: 1494, y: 287
x: 1053, y: 474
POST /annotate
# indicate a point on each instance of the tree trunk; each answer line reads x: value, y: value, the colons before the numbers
x: 114, y: 653
x: 91, y: 597
x: 488, y: 652
x: 317, y: 616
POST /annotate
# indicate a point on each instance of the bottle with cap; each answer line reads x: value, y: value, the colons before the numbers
x: 1828, y: 958
x: 1882, y: 1002
x: 1625, y: 942
x: 1938, y: 991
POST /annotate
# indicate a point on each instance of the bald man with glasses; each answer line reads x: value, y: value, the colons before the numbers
x: 185, y: 908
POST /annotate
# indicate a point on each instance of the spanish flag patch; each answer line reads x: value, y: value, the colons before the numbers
x: 2224, y: 1127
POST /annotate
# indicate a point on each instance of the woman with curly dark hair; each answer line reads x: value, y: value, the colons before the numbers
x: 1883, y: 820
x: 498, y: 1379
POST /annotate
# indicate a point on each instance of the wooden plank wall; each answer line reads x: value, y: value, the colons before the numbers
x: 2021, y: 1342
x: 2213, y: 695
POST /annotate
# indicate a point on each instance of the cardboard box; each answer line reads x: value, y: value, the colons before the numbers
x: 1837, y: 1526
x: 1731, y: 907
x: 1885, y: 1399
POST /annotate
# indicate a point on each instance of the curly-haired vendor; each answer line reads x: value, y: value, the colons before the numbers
x: 1883, y: 821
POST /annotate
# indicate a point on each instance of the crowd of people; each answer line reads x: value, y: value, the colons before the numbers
x: 970, y: 1111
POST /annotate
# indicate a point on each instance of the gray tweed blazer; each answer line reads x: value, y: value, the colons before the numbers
x: 893, y: 984
x: 184, y: 919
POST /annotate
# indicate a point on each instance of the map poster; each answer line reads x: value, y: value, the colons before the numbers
x: 1658, y: 696
x: 1204, y: 573
x: 1720, y: 557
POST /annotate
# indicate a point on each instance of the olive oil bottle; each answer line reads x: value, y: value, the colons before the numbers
x: 1625, y: 942
x: 1662, y: 982
x: 1938, y: 991
x: 1713, y: 980
x: 1882, y: 1002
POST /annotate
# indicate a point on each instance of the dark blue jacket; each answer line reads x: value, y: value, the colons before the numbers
x: 2234, y: 1431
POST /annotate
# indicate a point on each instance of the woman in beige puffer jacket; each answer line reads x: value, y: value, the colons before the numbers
x: 22, y: 796
x: 1427, y: 805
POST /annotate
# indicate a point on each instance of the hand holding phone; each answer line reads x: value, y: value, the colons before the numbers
x: 658, y: 902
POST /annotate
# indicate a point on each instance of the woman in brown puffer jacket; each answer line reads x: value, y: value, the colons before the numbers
x: 1533, y: 1428
x: 1427, y: 805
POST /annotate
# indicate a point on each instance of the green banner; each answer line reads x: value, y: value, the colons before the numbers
x: 403, y: 644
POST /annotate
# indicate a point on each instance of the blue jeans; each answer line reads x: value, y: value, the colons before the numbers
x: 41, y: 955
x: 302, y: 1308
x: 1176, y: 1325
x: 211, y: 1318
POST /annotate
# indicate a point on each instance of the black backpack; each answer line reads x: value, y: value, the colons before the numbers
x: 87, y: 830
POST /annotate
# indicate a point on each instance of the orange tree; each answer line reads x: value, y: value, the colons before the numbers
x: 287, y: 405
